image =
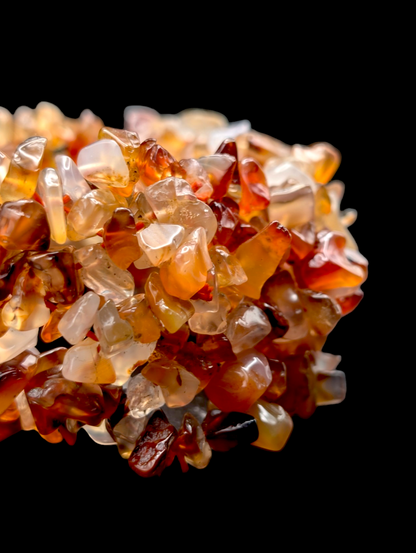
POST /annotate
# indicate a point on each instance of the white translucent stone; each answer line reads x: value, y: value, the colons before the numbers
x: 90, y: 212
x: 4, y: 166
x: 143, y: 262
x: 329, y: 385
x: 125, y: 361
x: 202, y: 121
x: 114, y: 333
x: 334, y: 219
x: 196, y: 214
x: 27, y: 421
x: 28, y: 155
x: 284, y: 175
x: 99, y: 434
x: 14, y: 342
x: 247, y: 325
x: 143, y: 396
x: 274, y: 424
x: 166, y: 195
x: 217, y: 136
x: 160, y: 241
x: 217, y: 165
x: 73, y: 183
x: 211, y: 323
x: 79, y: 318
x: 80, y: 362
x: 142, y: 120
x: 103, y: 276
x: 50, y: 190
x: 102, y: 163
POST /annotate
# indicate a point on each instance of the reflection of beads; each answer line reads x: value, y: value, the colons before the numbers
x: 189, y: 277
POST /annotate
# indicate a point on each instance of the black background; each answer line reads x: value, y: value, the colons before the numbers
x: 329, y: 457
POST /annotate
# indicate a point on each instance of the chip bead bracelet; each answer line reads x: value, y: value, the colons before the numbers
x: 168, y: 287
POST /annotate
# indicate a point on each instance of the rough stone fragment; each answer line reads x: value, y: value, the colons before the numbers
x: 78, y: 320
x: 274, y: 424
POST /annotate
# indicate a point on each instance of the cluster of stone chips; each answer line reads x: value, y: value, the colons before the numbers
x: 190, y: 270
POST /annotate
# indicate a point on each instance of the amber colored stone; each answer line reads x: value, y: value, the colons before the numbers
x: 57, y: 270
x: 279, y: 380
x: 265, y: 251
x: 349, y: 303
x: 144, y: 148
x: 26, y: 309
x: 238, y: 384
x: 50, y: 332
x: 129, y: 143
x: 227, y: 219
x: 227, y: 430
x: 217, y: 348
x: 10, y: 421
x: 50, y: 359
x: 150, y: 454
x: 24, y: 226
x: 120, y: 238
x: 255, y: 195
x: 190, y: 446
x: 21, y: 178
x: 299, y: 247
x: 229, y: 146
x: 321, y: 311
x: 157, y: 165
x: 243, y: 232
x: 171, y: 343
x: 220, y: 169
x: 297, y: 399
x: 14, y: 376
x: 327, y: 267
x: 196, y: 361
x: 274, y: 423
x: 136, y: 310
x: 172, y: 312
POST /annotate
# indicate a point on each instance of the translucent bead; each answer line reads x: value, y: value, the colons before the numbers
x: 24, y: 226
x: 103, y: 276
x: 26, y: 418
x: 99, y: 434
x: 247, y: 325
x: 179, y: 386
x: 228, y: 270
x: 90, y: 212
x: 136, y: 310
x: 220, y: 169
x: 255, y: 192
x: 14, y: 375
x: 211, y: 322
x: 102, y: 164
x: 186, y: 273
x: 21, y: 178
x: 160, y: 241
x: 239, y: 383
x: 321, y: 311
x: 26, y: 309
x: 265, y: 250
x: 191, y: 444
x: 329, y: 385
x: 50, y: 191
x: 143, y: 396
x: 82, y: 363
x: 196, y: 214
x: 13, y: 342
x: 171, y: 311
x: 197, y: 178
x: 127, y: 432
x: 165, y: 196
x: 120, y: 238
x: 274, y: 424
x: 113, y: 333
x: 280, y: 291
x: 322, y: 158
x: 125, y: 361
x: 73, y: 183
x: 78, y: 320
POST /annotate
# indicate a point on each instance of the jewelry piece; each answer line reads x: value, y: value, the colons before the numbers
x: 168, y: 287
